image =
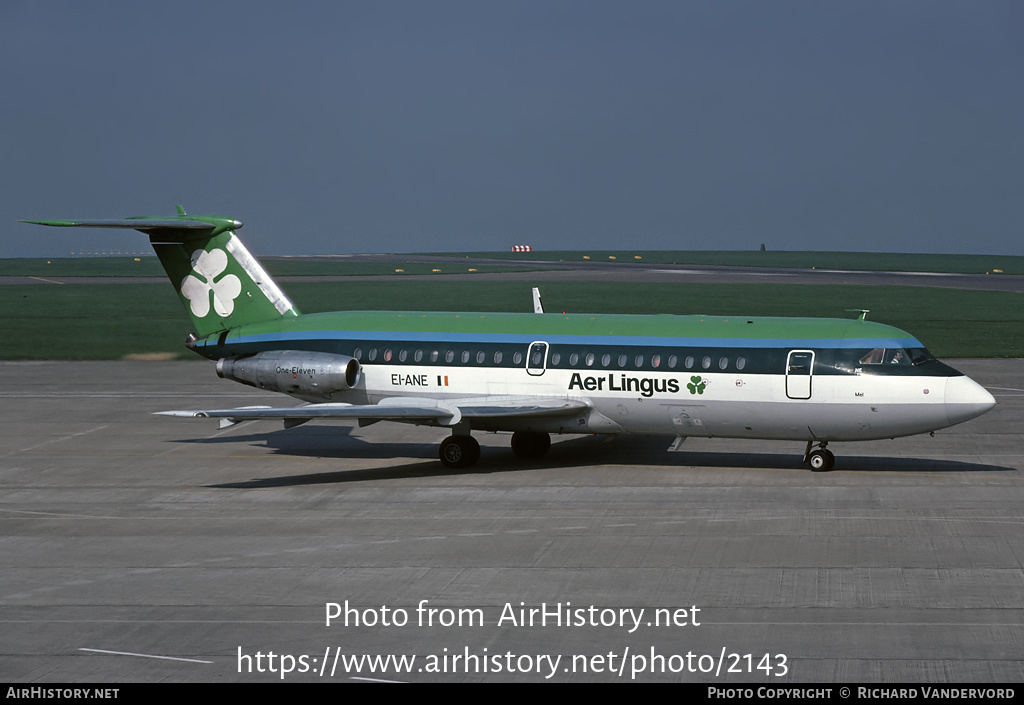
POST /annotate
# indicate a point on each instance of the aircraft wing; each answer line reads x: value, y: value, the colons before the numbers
x: 447, y: 412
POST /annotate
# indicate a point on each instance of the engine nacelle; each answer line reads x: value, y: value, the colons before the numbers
x: 306, y: 375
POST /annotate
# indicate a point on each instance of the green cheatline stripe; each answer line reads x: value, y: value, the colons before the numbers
x: 556, y: 326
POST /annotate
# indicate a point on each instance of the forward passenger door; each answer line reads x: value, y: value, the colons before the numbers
x: 799, y: 371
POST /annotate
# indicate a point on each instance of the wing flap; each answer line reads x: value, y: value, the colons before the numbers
x: 517, y: 407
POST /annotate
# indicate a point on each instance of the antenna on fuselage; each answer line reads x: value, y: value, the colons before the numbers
x: 538, y: 307
x: 862, y: 311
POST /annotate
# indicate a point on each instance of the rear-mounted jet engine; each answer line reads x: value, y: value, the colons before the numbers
x: 305, y: 375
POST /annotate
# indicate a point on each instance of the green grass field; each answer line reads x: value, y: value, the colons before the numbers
x: 112, y: 321
x: 279, y: 267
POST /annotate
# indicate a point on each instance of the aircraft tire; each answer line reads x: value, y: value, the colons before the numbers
x: 821, y: 460
x: 530, y: 444
x: 459, y: 452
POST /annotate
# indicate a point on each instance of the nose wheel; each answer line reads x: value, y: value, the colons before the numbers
x: 459, y: 452
x: 821, y: 459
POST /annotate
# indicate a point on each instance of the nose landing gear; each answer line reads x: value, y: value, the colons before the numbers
x: 821, y: 459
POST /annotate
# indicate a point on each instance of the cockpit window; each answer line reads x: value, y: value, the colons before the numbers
x: 896, y: 356
x: 919, y: 355
x: 874, y: 357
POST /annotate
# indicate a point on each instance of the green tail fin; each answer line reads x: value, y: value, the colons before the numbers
x: 217, y: 279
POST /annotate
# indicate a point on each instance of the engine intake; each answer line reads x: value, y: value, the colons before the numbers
x: 306, y: 375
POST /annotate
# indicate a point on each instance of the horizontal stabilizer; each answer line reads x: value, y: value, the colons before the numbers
x: 189, y: 227
x: 133, y: 223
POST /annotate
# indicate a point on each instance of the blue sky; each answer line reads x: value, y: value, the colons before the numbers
x: 404, y: 126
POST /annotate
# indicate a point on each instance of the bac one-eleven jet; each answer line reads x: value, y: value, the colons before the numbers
x: 797, y: 379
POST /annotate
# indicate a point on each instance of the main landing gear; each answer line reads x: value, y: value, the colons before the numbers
x: 530, y: 444
x: 459, y: 452
x: 821, y: 459
x: 462, y: 451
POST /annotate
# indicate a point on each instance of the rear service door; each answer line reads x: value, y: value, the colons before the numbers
x: 799, y: 366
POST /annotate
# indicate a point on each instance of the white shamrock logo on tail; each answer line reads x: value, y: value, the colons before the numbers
x: 209, y: 265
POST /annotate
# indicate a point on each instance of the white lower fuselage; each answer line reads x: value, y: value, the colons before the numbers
x: 733, y: 405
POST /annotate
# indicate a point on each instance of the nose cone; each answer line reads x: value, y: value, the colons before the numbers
x: 966, y: 399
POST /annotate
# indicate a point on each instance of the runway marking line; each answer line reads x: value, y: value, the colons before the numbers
x: 58, y: 440
x: 129, y: 653
x: 57, y: 514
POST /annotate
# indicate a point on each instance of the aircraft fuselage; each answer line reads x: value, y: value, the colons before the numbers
x: 758, y: 378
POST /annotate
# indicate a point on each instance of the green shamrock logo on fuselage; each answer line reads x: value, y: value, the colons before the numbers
x: 696, y: 385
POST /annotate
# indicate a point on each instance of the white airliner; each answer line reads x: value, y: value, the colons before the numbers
x: 798, y: 379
